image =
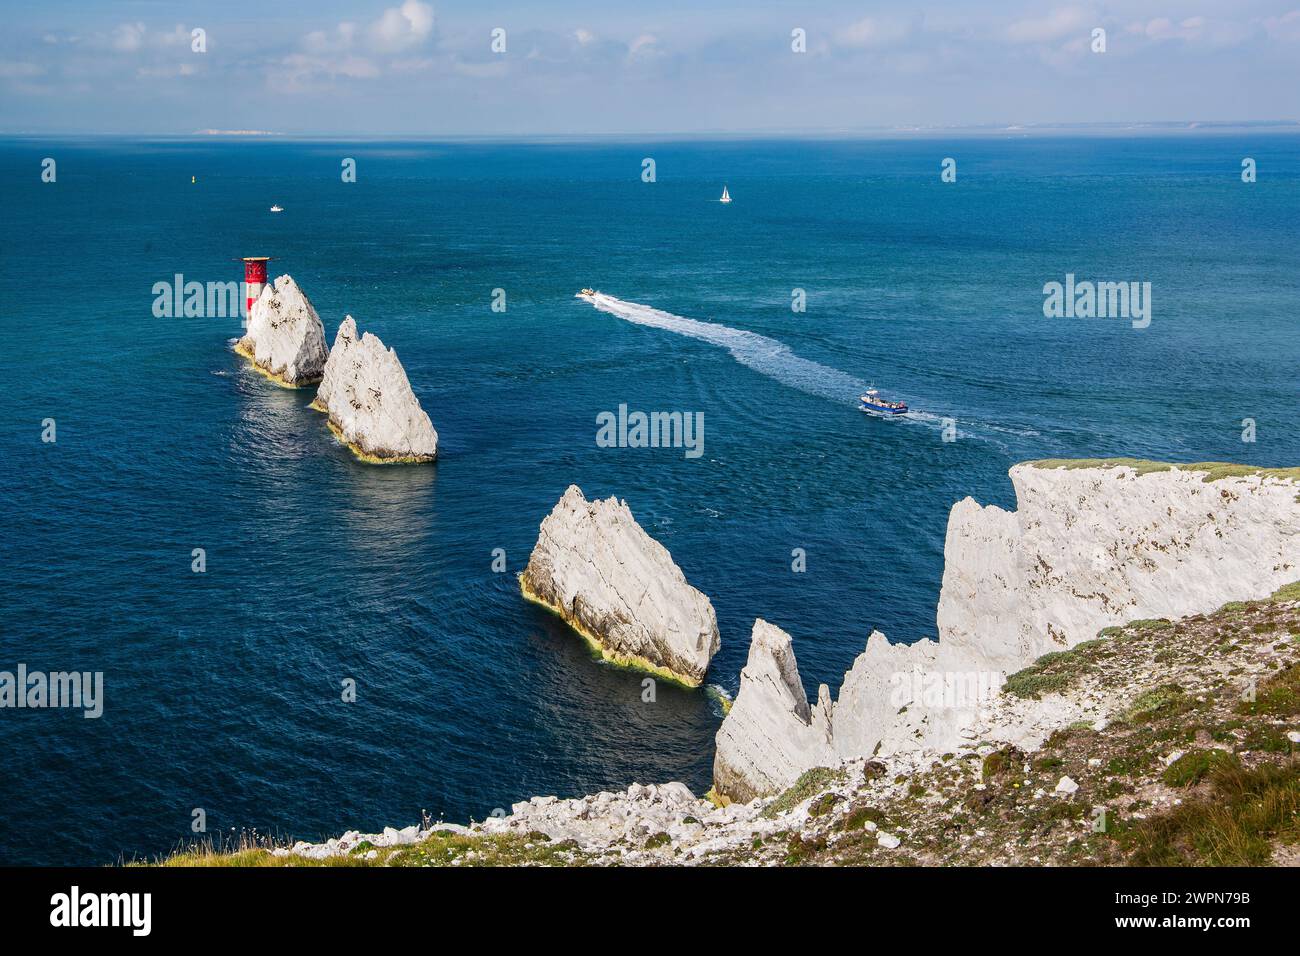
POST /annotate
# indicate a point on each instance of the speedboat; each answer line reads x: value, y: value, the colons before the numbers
x: 872, y: 402
x: 589, y: 293
x: 277, y: 209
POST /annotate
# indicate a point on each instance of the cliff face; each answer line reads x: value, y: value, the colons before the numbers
x: 285, y: 338
x: 371, y: 408
x: 1090, y: 545
x: 618, y: 587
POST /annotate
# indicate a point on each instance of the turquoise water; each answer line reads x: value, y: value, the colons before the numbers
x: 222, y: 689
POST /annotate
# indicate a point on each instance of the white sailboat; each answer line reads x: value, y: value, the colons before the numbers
x: 726, y: 196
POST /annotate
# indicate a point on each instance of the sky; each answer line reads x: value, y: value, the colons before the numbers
x: 581, y: 67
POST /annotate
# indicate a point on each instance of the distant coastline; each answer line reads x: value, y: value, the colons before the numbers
x: 236, y: 132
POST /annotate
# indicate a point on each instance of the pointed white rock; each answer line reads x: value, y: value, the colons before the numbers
x: 618, y: 587
x: 285, y: 338
x: 770, y: 735
x: 371, y: 408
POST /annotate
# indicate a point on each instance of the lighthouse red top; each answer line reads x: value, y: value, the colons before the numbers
x: 255, y: 268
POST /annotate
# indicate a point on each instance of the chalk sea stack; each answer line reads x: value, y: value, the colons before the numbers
x: 371, y: 408
x: 596, y: 568
x: 285, y: 340
x: 1092, y: 544
x: 771, y: 735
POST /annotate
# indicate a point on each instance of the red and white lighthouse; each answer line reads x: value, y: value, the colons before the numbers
x: 254, y: 277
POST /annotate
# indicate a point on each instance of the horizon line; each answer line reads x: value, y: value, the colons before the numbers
x: 863, y: 132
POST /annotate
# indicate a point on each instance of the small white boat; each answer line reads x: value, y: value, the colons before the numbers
x: 277, y: 209
x: 589, y: 293
x: 726, y: 196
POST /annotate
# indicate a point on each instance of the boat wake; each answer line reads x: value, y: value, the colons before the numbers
x: 775, y: 360
x: 766, y: 356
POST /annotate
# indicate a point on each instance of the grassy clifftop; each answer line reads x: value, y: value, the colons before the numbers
x: 1214, y: 470
x: 441, y: 848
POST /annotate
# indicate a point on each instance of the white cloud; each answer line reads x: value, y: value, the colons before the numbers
x: 132, y: 38
x: 400, y: 28
x: 128, y: 37
x: 646, y: 45
x: 340, y: 39
x: 873, y: 32
x: 166, y: 71
x: 1161, y: 28
x: 358, y: 53
x: 1054, y: 26
x: 178, y: 37
x: 1285, y: 28
x: 14, y: 70
x: 1196, y: 31
x: 412, y: 65
x: 486, y: 70
x: 300, y: 72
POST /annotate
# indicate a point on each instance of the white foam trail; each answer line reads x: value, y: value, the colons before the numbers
x: 750, y: 349
x: 775, y: 360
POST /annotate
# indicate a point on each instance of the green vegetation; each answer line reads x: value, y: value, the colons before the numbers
x: 801, y: 847
x: 1278, y: 696
x: 1052, y: 673
x: 1214, y: 470
x: 442, y: 848
x: 1189, y: 769
x: 1008, y: 760
x: 1287, y: 592
x: 810, y: 783
x: 1237, y: 826
x: 823, y: 804
x: 858, y: 817
x: 1149, y: 624
x: 1161, y: 702
x: 1267, y: 739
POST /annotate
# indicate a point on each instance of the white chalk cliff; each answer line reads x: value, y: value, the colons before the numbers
x: 285, y: 338
x: 618, y: 587
x: 1090, y: 545
x: 371, y: 408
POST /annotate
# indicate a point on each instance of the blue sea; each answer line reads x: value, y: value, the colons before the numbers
x: 223, y: 689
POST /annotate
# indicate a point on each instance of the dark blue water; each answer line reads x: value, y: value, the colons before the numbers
x: 223, y: 688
